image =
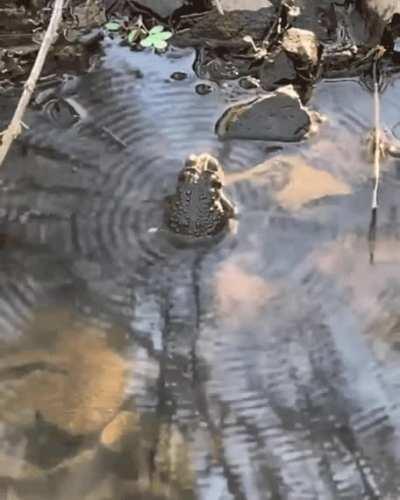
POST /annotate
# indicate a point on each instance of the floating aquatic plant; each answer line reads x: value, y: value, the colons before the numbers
x: 156, y: 38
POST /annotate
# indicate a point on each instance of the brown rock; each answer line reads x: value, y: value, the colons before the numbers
x: 78, y: 385
x: 302, y: 45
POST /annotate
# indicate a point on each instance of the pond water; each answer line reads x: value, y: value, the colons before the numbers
x: 264, y: 367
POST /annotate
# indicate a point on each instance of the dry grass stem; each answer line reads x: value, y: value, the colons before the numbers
x: 15, y: 126
x: 377, y: 152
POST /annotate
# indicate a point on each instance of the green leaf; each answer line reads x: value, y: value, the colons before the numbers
x: 133, y: 36
x: 164, y: 35
x: 113, y: 26
x: 147, y: 42
x: 156, y: 29
x: 160, y: 44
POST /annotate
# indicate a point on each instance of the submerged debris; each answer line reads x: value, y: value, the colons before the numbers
x: 203, y: 88
x: 23, y: 28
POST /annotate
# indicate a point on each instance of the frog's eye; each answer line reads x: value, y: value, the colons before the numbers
x: 190, y: 161
x: 182, y: 177
x: 187, y: 173
x: 216, y: 183
x: 213, y: 165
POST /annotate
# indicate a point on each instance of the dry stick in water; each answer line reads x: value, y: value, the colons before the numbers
x: 14, y: 129
x: 219, y: 7
x: 377, y: 138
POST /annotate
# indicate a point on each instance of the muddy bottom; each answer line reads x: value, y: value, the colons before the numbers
x: 266, y: 366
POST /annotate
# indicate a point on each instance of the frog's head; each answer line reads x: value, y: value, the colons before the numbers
x: 202, y: 169
x: 199, y: 208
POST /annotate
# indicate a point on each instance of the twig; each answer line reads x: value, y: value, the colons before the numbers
x: 377, y: 138
x: 14, y: 128
x: 219, y: 7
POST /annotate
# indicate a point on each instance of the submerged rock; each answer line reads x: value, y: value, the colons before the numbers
x: 211, y: 66
x: 203, y: 89
x: 68, y: 387
x: 79, y: 388
x: 115, y: 434
x: 307, y: 184
x: 277, y: 117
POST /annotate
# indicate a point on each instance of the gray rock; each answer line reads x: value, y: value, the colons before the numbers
x: 384, y: 9
x: 369, y: 20
x: 276, y: 71
x: 278, y: 117
x: 228, y: 5
x: 317, y: 16
x: 215, y: 30
x: 162, y: 8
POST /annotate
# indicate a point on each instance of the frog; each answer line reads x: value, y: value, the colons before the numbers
x: 199, y: 209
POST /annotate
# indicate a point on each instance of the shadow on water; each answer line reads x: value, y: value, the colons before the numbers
x: 265, y: 367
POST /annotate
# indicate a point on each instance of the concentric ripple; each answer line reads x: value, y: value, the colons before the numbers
x: 137, y: 128
x: 259, y: 349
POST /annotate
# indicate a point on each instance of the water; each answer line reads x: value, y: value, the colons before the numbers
x: 264, y: 367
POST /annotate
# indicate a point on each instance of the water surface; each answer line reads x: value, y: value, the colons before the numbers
x: 264, y: 367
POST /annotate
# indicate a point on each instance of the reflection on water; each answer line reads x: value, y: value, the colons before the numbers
x: 239, y: 293
x: 264, y: 367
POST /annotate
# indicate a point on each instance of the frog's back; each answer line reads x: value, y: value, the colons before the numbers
x: 193, y: 211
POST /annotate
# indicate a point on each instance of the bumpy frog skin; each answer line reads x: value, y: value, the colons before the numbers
x: 199, y: 208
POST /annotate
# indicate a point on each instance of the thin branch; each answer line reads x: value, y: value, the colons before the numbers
x: 377, y: 139
x: 14, y: 128
x: 219, y: 7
